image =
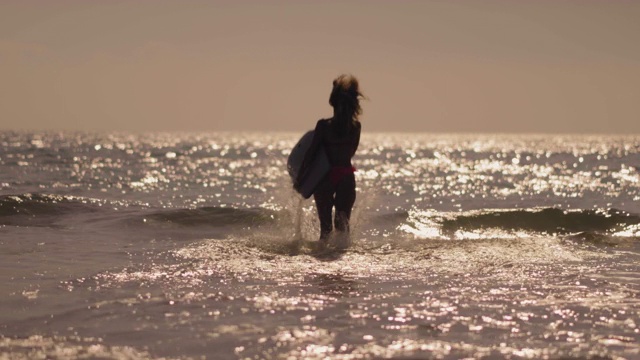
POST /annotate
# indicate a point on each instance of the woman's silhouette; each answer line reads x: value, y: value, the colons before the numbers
x: 339, y: 136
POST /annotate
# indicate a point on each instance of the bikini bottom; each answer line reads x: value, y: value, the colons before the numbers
x: 337, y: 173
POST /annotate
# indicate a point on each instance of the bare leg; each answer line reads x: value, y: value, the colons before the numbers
x: 345, y: 198
x: 324, y: 204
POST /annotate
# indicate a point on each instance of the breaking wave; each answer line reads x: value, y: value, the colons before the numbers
x: 522, y: 222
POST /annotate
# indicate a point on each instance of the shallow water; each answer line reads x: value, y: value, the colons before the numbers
x: 190, y: 246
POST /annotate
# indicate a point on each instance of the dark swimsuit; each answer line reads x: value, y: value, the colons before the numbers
x: 338, y: 190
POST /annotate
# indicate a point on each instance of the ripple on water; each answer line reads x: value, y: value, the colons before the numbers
x: 532, y: 298
x: 59, y: 347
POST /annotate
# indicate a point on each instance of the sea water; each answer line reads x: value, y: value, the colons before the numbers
x: 195, y: 246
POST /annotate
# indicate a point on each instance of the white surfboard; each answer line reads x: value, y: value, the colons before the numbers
x: 318, y: 169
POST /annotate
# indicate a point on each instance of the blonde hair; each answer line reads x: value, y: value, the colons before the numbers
x: 345, y: 99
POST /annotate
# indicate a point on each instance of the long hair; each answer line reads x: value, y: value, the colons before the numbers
x: 345, y: 99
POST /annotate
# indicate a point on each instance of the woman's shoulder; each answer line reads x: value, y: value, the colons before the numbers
x: 322, y: 124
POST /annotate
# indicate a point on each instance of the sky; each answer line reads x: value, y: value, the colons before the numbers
x: 470, y: 66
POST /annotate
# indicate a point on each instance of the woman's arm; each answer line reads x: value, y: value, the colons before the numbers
x: 356, y: 138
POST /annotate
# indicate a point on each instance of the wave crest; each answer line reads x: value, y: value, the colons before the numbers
x: 524, y: 222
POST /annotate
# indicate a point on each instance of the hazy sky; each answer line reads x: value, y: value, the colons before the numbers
x: 429, y: 66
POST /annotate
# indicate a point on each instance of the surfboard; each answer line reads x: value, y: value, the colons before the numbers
x: 318, y: 169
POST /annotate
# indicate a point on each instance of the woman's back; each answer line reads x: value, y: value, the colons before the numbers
x: 340, y: 146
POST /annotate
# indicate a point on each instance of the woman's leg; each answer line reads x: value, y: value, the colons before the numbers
x: 324, y: 204
x: 345, y: 198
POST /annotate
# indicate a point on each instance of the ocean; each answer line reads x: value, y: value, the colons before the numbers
x: 189, y: 246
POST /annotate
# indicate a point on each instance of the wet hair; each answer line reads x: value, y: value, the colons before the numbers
x: 345, y: 99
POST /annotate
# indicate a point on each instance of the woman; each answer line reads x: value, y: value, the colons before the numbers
x: 339, y: 136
